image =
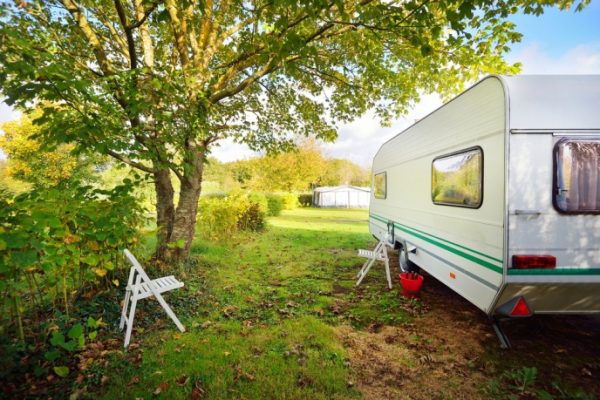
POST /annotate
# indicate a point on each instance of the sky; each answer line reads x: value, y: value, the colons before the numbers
x: 558, y: 42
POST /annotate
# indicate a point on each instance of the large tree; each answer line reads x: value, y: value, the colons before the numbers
x: 155, y: 83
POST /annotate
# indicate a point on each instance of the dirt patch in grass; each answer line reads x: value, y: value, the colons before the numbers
x: 434, y: 356
x: 451, y: 351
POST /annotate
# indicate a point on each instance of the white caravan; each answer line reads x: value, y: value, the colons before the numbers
x: 497, y: 195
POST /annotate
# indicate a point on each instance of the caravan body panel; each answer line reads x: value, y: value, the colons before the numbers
x: 516, y: 122
x: 462, y: 247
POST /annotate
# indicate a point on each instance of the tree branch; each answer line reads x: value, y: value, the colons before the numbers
x: 90, y: 35
x: 144, y: 32
x: 143, y: 16
x: 129, y: 161
x: 128, y: 34
x: 268, y: 68
x: 178, y: 32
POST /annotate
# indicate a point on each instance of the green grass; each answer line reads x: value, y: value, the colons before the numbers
x: 260, y: 312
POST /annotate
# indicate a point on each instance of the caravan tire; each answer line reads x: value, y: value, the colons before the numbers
x: 405, y: 264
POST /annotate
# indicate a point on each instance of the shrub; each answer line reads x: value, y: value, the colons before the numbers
x: 57, y: 242
x: 305, y: 199
x: 252, y: 217
x: 261, y: 200
x: 217, y: 217
x: 290, y: 201
x: 221, y: 218
x: 275, y: 204
x: 215, y: 195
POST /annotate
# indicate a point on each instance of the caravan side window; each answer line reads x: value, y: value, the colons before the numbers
x: 380, y: 185
x: 457, y: 179
x: 577, y: 175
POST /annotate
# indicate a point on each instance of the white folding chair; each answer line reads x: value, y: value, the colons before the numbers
x: 378, y: 254
x: 140, y: 286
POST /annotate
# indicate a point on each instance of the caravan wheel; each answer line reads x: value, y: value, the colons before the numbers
x: 405, y: 264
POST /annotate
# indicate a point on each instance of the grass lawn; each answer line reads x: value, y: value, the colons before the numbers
x: 260, y: 311
x: 275, y: 315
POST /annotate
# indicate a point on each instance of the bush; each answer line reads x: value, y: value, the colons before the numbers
x: 305, y: 199
x: 217, y: 217
x: 65, y: 240
x: 251, y: 218
x: 261, y: 200
x: 275, y: 204
x: 221, y: 218
x: 290, y: 201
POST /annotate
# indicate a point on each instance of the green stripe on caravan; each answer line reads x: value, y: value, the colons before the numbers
x: 438, y: 242
x: 557, y: 271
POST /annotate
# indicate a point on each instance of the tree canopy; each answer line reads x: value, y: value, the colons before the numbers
x: 30, y: 162
x: 154, y: 83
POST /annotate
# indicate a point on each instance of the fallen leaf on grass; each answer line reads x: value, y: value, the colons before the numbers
x: 206, y: 324
x: 228, y: 311
x: 161, y: 388
x: 182, y: 380
x: 240, y: 374
x: 134, y: 380
x: 197, y: 391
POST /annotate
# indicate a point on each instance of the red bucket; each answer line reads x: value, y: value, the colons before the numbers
x: 411, y: 284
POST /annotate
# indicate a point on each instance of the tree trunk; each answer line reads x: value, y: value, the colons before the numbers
x: 184, y: 226
x: 177, y: 226
x: 165, y: 212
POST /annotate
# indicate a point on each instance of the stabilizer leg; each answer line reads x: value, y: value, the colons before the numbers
x: 504, y: 342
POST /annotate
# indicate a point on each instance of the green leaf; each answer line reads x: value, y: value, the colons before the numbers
x: 24, y: 258
x: 76, y: 331
x: 61, y: 371
x: 52, y: 355
x: 57, y: 339
x: 93, y: 335
x: 91, y: 322
x: 91, y: 259
x: 69, y: 346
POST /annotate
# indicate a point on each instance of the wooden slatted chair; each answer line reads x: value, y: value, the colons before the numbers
x: 140, y: 286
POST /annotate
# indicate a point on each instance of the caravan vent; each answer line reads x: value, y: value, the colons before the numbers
x: 529, y: 262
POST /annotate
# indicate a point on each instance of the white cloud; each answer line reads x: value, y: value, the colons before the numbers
x: 227, y: 150
x: 359, y: 140
x: 581, y: 59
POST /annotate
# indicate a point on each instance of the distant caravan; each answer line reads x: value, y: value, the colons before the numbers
x: 497, y: 195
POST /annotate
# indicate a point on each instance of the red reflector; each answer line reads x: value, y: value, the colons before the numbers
x: 520, y: 309
x: 528, y: 262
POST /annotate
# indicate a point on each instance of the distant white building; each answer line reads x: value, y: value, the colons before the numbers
x: 344, y: 196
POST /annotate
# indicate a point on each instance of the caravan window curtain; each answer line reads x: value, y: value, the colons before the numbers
x: 577, y: 175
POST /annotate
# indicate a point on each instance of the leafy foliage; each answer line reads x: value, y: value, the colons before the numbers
x: 156, y: 84
x: 305, y: 199
x: 56, y: 242
x: 299, y: 170
x: 29, y: 161
x: 220, y: 217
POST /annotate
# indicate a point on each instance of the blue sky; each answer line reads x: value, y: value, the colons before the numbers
x: 558, y: 42
x: 558, y: 31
